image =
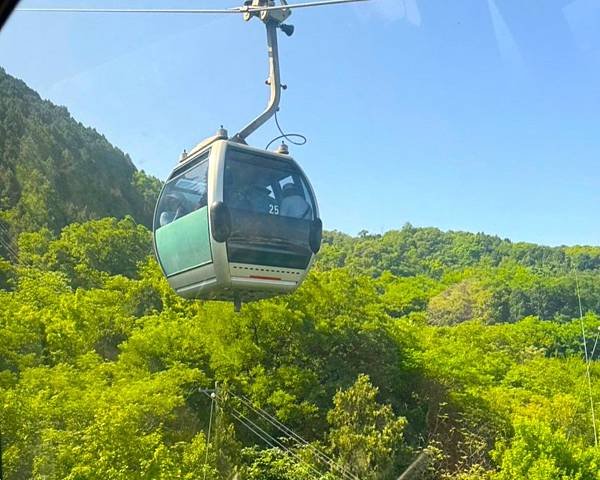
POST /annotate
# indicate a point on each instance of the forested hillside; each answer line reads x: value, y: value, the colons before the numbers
x: 54, y: 171
x: 101, y: 367
x: 429, y: 251
x: 464, y: 346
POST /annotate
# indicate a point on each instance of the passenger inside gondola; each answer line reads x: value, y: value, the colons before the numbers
x: 293, y: 203
x: 183, y: 194
x: 264, y: 186
x: 258, y: 199
x: 174, y: 207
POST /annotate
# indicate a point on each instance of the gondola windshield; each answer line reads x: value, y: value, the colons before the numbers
x: 272, y: 211
x: 266, y: 185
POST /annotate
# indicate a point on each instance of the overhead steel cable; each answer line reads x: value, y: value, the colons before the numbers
x: 6, y: 243
x: 278, y: 442
x: 288, y: 431
x: 128, y: 10
x: 303, y: 5
x: 266, y: 436
x: 243, y: 9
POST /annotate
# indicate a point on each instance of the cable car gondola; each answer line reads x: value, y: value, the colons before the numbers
x: 236, y: 223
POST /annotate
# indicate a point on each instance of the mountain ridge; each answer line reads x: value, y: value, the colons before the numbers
x: 55, y: 171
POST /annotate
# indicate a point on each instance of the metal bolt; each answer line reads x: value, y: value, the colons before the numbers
x: 283, y: 149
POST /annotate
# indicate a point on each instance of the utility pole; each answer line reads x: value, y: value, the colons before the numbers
x: 213, y: 408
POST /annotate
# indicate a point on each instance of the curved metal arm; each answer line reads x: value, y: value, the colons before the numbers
x: 274, y: 82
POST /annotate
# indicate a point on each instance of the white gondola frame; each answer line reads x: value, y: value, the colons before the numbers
x: 221, y: 279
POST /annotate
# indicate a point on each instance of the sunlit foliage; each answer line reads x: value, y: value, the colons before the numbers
x: 466, y: 346
x: 101, y: 366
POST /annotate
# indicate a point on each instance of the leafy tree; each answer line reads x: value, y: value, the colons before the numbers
x: 366, y: 437
x: 87, y: 253
x: 275, y: 464
x: 460, y: 302
x: 538, y: 453
x: 429, y: 251
x: 7, y: 274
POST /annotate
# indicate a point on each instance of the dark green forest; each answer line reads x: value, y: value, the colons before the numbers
x: 467, y: 347
x: 54, y: 171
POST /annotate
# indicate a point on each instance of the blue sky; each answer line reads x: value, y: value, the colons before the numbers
x: 478, y: 115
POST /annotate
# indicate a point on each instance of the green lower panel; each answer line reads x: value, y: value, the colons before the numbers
x: 184, y: 243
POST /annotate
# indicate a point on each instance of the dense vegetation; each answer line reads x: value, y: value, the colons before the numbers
x: 54, y: 171
x: 101, y: 366
x: 429, y: 251
x: 463, y: 345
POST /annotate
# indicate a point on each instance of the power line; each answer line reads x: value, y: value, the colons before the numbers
x: 587, y: 361
x: 6, y: 243
x: 279, y: 443
x: 595, y: 344
x: 268, y: 442
x: 266, y: 436
x: 263, y: 438
x: 10, y: 251
x: 288, y: 431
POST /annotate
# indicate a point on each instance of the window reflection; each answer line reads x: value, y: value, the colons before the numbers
x: 183, y: 194
x: 266, y: 186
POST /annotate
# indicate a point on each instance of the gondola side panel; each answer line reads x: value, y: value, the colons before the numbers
x: 184, y: 244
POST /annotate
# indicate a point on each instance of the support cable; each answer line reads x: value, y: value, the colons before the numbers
x: 210, y: 418
x: 267, y: 437
x: 278, y: 442
x: 587, y: 362
x: 288, y: 431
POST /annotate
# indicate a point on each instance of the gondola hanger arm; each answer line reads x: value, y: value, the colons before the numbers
x: 274, y: 83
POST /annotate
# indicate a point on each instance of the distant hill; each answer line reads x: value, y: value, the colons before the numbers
x: 432, y: 252
x: 55, y: 171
